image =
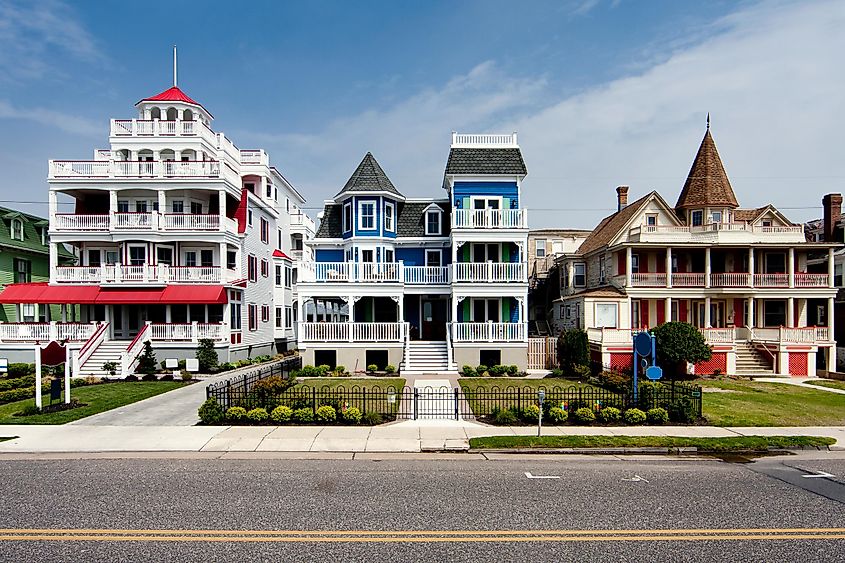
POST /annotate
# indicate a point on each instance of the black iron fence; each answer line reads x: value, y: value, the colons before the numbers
x: 237, y: 390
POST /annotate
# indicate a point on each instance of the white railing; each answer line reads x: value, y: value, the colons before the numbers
x: 719, y: 335
x: 611, y: 335
x: 378, y: 332
x: 253, y: 156
x: 125, y: 273
x: 129, y: 357
x: 489, y: 332
x: 483, y: 140
x: 681, y: 279
x: 190, y: 222
x: 791, y: 335
x: 140, y: 221
x: 187, y: 332
x: 333, y: 271
x: 423, y: 275
x: 133, y: 169
x: 97, y: 337
x: 355, y: 272
x: 771, y: 280
x: 143, y: 221
x: 730, y: 279
x: 155, y: 127
x: 812, y: 280
x: 489, y: 272
x: 23, y: 332
x: 74, y: 222
x: 324, y: 332
x: 489, y: 218
x: 378, y: 271
x: 191, y: 274
x: 353, y: 332
x: 650, y: 279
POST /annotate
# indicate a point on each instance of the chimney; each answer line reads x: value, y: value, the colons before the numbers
x: 832, y: 212
x: 622, y: 198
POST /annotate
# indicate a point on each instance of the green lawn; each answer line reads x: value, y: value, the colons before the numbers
x: 732, y: 444
x: 483, y: 394
x: 367, y: 395
x: 98, y: 398
x: 488, y: 383
x: 832, y: 383
x: 349, y: 382
x: 751, y: 403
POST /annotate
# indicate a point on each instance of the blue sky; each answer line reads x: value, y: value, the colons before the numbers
x: 602, y: 92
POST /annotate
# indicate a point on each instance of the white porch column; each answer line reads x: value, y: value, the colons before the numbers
x: 63, y: 308
x: 790, y: 312
x: 668, y: 310
x: 791, y: 266
x: 801, y: 318
x: 401, y: 305
x: 351, y: 319
x: 221, y: 207
x: 54, y: 206
x: 162, y: 201
x: 628, y: 266
x: 668, y: 267
x: 707, y: 275
x: 454, y: 309
x: 168, y: 314
x: 751, y: 267
x: 830, y: 278
x: 221, y: 262
x: 112, y: 201
x: 37, y: 375
x: 707, y: 312
x: 54, y: 256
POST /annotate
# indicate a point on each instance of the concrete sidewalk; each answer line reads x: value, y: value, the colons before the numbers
x: 409, y: 436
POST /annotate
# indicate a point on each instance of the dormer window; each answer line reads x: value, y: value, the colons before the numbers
x: 697, y: 218
x: 366, y: 215
x: 716, y: 217
x: 433, y: 221
x: 347, y: 217
x: 767, y: 222
x: 389, y: 216
x: 651, y: 219
x: 17, y: 229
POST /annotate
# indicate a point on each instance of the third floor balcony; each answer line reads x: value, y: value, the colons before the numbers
x: 398, y: 272
x: 150, y: 221
x: 489, y: 219
x: 726, y: 280
x: 146, y: 169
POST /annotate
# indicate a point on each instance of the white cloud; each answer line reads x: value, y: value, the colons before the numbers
x: 50, y: 118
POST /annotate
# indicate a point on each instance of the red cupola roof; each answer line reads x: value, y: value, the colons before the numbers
x: 173, y: 94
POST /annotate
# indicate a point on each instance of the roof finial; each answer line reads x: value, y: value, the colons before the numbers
x: 174, y: 65
x: 708, y: 121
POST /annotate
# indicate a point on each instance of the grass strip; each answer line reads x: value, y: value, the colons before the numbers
x: 831, y: 383
x: 731, y: 444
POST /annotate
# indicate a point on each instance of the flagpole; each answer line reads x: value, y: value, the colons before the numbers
x: 174, y: 65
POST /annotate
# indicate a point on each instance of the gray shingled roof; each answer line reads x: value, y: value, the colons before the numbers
x: 411, y: 221
x: 485, y: 161
x: 330, y: 223
x: 369, y: 177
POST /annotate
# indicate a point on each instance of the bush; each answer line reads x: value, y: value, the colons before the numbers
x: 583, y: 371
x: 372, y: 418
x: 147, y: 363
x: 281, y: 414
x: 584, y: 415
x: 351, y: 416
x: 573, y: 349
x: 513, y: 370
x: 339, y: 370
x: 19, y: 369
x: 225, y: 366
x: 616, y: 380
x: 531, y: 413
x: 557, y: 372
x: 681, y: 410
x: 257, y: 415
x: 468, y: 371
x: 389, y: 369
x: 272, y: 385
x: 481, y: 370
x: 678, y: 343
x: 29, y: 410
x: 610, y: 415
x: 634, y: 417
x: 372, y: 368
x: 207, y: 355
x: 236, y: 414
x: 18, y: 394
x: 557, y: 415
x: 498, y: 370
x: 657, y: 416
x: 24, y: 381
x: 110, y: 368
x: 302, y: 416
x: 323, y: 370
x: 326, y: 414
x: 504, y: 417
x: 186, y: 375
x: 149, y: 377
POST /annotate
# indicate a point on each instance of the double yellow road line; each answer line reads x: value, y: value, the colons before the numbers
x: 417, y: 536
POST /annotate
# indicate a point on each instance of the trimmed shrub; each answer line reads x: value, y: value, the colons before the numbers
x: 468, y: 371
x: 257, y: 415
x: 583, y: 371
x: 186, y: 375
x: 531, y: 413
x: 323, y: 370
x: 504, y: 417
x: 24, y: 381
x: 271, y: 385
x: 513, y: 370
x: 481, y: 369
x: 556, y: 372
x: 236, y: 414
x: 18, y: 394
x: 147, y: 363
x: 390, y: 369
x: 610, y: 414
x: 371, y: 418
x: 149, y: 377
x: 326, y: 414
x: 681, y: 410
x: 657, y: 416
x: 351, y: 416
x: 19, y: 369
x: 584, y: 415
x: 616, y: 380
x: 207, y: 355
x: 497, y: 371
x: 226, y: 366
x: 302, y: 416
x: 678, y: 343
x: 339, y: 370
x: 557, y: 415
x: 281, y: 414
x: 634, y: 417
x: 372, y: 368
x: 573, y: 349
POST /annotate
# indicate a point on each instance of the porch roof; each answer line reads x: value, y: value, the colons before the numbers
x: 43, y: 293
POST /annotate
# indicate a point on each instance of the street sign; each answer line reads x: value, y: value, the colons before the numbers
x: 642, y: 342
x: 654, y: 373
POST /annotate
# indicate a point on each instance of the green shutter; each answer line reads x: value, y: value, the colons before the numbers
x: 506, y: 310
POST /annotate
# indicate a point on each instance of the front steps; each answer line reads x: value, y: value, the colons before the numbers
x: 427, y: 357
x: 107, y: 351
x: 749, y: 361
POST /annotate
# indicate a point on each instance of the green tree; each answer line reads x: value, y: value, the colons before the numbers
x: 147, y: 362
x: 573, y: 349
x: 206, y: 355
x: 678, y: 343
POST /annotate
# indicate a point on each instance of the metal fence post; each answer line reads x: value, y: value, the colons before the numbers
x: 313, y: 399
x: 457, y: 416
x: 363, y: 400
x: 416, y: 397
x: 228, y: 393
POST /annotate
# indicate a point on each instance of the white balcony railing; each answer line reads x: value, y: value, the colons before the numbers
x: 611, y: 335
x: 812, y: 280
x: 648, y: 280
x: 133, y: 169
x: 74, y: 222
x: 791, y: 335
x: 187, y: 332
x: 383, y: 272
x: 489, y: 272
x: 134, y: 221
x: 489, y: 332
x: 46, y: 332
x: 716, y: 232
x: 719, y: 335
x: 771, y: 280
x: 427, y: 275
x: 470, y: 140
x: 730, y: 279
x: 254, y: 156
x: 489, y: 219
x: 142, y: 273
x: 148, y: 221
x: 352, y: 332
x: 726, y: 280
x: 160, y: 127
x: 682, y: 279
x: 190, y: 222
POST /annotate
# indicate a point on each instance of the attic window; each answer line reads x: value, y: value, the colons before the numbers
x: 767, y: 222
x: 17, y: 229
x: 716, y: 217
x: 651, y: 219
x: 697, y: 218
x: 432, y: 222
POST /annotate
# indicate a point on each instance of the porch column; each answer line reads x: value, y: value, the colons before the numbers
x: 791, y: 266
x: 221, y: 262
x: 667, y: 315
x: 63, y: 308
x: 830, y: 278
x: 830, y: 316
x: 801, y: 318
x: 54, y: 206
x: 351, y: 319
x: 401, y: 308
x: 831, y: 352
x: 707, y: 275
x: 54, y: 255
x: 221, y: 207
x: 790, y: 312
x: 751, y: 267
x: 454, y: 309
x: 707, y: 312
x: 628, y: 266
x: 112, y: 201
x: 168, y: 314
x: 668, y: 267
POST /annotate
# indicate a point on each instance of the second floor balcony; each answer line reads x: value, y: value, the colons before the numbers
x: 717, y: 233
x: 398, y: 272
x: 150, y: 221
x: 489, y: 219
x: 134, y: 274
x: 103, y: 169
x: 726, y: 280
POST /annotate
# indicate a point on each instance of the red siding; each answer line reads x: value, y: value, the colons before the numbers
x: 739, y: 319
x: 798, y: 364
x: 620, y: 263
x: 660, y: 267
x: 621, y: 361
x: 661, y: 311
x: 682, y: 311
x: 719, y: 361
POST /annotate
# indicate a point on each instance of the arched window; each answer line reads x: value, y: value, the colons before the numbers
x: 171, y: 114
x: 17, y: 229
x: 188, y: 115
x: 155, y: 113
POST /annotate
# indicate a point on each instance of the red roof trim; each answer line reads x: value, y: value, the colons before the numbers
x: 279, y: 254
x: 241, y: 211
x: 173, y: 94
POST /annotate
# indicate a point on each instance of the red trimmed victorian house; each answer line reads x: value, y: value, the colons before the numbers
x: 741, y: 275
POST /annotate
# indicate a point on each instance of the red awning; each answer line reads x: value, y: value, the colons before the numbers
x: 279, y: 254
x: 88, y: 295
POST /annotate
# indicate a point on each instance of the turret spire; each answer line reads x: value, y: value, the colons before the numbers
x: 708, y: 118
x: 174, y: 67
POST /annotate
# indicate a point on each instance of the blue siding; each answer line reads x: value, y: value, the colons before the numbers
x: 328, y: 256
x: 384, y: 232
x: 462, y: 191
x: 368, y: 233
x: 411, y: 256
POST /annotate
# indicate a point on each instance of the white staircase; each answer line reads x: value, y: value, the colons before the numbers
x: 107, y: 351
x: 749, y: 361
x: 426, y: 356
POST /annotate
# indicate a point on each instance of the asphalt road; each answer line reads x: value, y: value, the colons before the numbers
x: 432, y: 509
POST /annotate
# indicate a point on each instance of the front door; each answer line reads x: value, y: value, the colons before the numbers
x: 433, y: 319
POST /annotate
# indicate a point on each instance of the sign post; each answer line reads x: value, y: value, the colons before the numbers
x: 645, y: 347
x: 541, y: 396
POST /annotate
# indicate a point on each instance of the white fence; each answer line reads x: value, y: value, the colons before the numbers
x: 542, y: 352
x: 489, y: 332
x: 352, y: 332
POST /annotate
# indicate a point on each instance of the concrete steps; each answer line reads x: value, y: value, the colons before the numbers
x: 750, y: 361
x: 427, y: 357
x: 107, y: 351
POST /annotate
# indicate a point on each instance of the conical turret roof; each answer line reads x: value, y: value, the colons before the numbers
x: 369, y: 177
x: 707, y: 183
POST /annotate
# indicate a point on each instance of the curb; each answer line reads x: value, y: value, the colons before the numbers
x: 648, y: 451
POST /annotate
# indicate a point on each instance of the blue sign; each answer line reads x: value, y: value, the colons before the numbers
x: 654, y: 373
x: 642, y: 343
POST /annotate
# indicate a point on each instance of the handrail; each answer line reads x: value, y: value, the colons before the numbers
x: 128, y: 357
x: 91, y: 344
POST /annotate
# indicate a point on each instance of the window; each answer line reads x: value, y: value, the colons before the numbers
x: 347, y: 217
x: 191, y: 258
x: 486, y: 203
x: 265, y: 313
x: 269, y: 190
x: 140, y: 207
x: 580, y: 275
x: 485, y: 310
x: 389, y: 210
x: 288, y: 277
x: 23, y: 271
x: 252, y: 316
x: 602, y: 271
x: 432, y: 222
x: 651, y: 219
x: 164, y: 255
x: 837, y: 275
x: 279, y: 318
x: 122, y: 206
x: 366, y: 256
x: 716, y: 217
x: 207, y: 258
x: 252, y: 268
x: 564, y: 275
x: 540, y: 247
x: 250, y: 186
x: 564, y: 312
x: 28, y: 312
x: 196, y: 208
x: 278, y: 275
x: 231, y: 259
x: 265, y: 231
x: 389, y: 255
x: 249, y: 217
x: 676, y: 315
x: 635, y: 313
x: 774, y: 313
x: 137, y: 255
x: 767, y: 222
x: 235, y: 310
x: 265, y: 268
x: 279, y: 239
x: 17, y: 229
x: 289, y: 317
x: 635, y: 263
x: 366, y: 215
x: 606, y: 315
x: 433, y: 257
x: 775, y: 263
x: 112, y: 257
x: 697, y: 218
x: 488, y: 252
x: 93, y: 258
x: 177, y: 206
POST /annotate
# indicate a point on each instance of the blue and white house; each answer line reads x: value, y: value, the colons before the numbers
x: 425, y: 284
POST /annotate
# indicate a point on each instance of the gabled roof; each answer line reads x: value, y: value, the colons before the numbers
x: 369, y: 177
x: 707, y: 183
x: 173, y: 94
x: 752, y: 215
x: 482, y: 161
x: 612, y: 225
x: 31, y: 235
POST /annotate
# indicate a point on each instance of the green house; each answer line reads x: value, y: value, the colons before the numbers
x: 25, y: 257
